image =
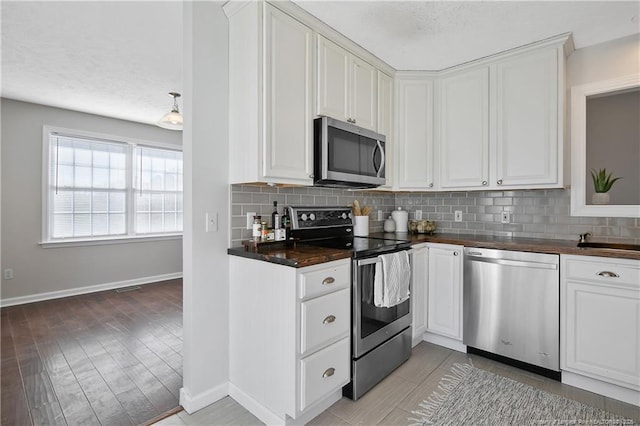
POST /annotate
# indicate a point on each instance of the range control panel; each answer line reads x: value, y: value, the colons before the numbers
x: 320, y: 217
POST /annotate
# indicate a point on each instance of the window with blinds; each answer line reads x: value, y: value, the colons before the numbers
x: 100, y: 188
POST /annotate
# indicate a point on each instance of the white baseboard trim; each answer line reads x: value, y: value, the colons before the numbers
x: 447, y: 342
x: 254, y: 407
x: 193, y: 403
x: 20, y: 300
x: 610, y: 390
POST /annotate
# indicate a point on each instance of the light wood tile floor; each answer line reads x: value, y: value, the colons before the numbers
x: 391, y: 401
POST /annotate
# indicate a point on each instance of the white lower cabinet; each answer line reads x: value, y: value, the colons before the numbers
x: 419, y: 279
x: 444, y: 296
x: 323, y: 372
x: 600, y: 325
x: 289, y: 337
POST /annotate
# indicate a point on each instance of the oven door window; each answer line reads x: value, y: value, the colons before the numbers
x: 373, y: 318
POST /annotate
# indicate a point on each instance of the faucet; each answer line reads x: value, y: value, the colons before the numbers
x: 583, y: 237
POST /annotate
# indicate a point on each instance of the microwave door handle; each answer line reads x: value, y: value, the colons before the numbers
x: 373, y: 158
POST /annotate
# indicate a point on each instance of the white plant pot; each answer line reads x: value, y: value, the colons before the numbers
x: 361, y: 226
x: 600, y: 198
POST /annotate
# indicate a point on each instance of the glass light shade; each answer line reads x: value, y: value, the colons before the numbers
x: 171, y: 120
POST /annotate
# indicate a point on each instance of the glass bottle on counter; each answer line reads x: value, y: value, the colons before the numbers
x: 256, y: 229
x: 275, y: 217
x: 286, y: 222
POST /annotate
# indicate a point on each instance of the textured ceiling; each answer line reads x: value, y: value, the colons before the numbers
x: 120, y: 59
x: 434, y: 35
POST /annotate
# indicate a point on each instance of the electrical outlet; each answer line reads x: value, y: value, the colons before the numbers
x: 8, y: 274
x: 380, y: 217
x: 250, y: 216
x: 418, y: 214
x: 457, y: 215
x: 506, y: 217
x: 211, y: 222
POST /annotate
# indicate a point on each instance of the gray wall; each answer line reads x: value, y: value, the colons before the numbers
x: 206, y: 264
x: 613, y: 142
x: 39, y: 270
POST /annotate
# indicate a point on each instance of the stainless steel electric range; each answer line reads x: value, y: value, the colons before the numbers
x: 381, y: 337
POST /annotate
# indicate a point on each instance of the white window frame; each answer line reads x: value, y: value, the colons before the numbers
x: 131, y: 236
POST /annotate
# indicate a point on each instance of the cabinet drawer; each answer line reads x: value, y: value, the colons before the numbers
x: 605, y: 271
x: 324, y: 280
x: 324, y: 319
x: 324, y: 372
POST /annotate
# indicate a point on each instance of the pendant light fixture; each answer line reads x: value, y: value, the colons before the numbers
x: 172, y: 120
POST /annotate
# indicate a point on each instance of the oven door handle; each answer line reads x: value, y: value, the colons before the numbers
x: 370, y: 261
x: 373, y: 260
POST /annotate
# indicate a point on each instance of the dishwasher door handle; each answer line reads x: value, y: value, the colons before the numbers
x: 518, y: 263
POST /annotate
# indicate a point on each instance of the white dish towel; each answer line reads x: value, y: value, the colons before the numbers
x: 391, y: 283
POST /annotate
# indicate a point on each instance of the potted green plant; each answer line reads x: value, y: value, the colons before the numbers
x: 602, y: 183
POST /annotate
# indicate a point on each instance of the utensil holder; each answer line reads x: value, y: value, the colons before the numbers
x: 361, y: 226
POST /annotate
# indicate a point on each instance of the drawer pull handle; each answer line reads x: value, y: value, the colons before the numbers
x: 543, y: 353
x: 505, y: 342
x: 608, y: 274
x: 328, y: 372
x: 329, y: 319
x: 328, y: 280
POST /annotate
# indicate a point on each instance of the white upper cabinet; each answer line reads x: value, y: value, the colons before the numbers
x: 414, y: 129
x: 500, y: 122
x: 527, y: 120
x: 385, y: 125
x: 464, y: 129
x: 347, y: 86
x: 271, y: 100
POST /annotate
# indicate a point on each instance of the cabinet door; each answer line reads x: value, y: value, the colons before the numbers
x: 333, y: 80
x: 364, y: 103
x: 415, y: 137
x: 419, y: 279
x: 527, y: 120
x: 464, y: 129
x: 444, y: 298
x: 288, y: 142
x: 603, y: 332
x: 385, y: 124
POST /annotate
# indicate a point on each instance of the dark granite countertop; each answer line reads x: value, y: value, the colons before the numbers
x: 297, y: 255
x: 300, y: 255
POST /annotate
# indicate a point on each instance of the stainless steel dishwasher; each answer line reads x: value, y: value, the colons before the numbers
x: 512, y: 305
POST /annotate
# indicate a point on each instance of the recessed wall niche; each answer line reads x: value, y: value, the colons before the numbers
x: 613, y: 143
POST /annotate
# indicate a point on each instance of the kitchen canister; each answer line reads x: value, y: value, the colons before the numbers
x: 361, y: 226
x: 401, y: 218
x: 389, y: 225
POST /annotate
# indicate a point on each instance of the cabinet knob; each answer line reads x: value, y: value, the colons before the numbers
x: 499, y: 181
x: 455, y: 253
x: 329, y: 319
x: 328, y: 280
x: 608, y: 274
x: 431, y: 185
x: 328, y: 372
x: 484, y: 182
x: 311, y: 176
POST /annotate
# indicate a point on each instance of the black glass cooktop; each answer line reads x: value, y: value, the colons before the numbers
x: 361, y: 246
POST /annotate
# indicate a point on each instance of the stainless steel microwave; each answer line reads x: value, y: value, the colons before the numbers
x: 347, y: 156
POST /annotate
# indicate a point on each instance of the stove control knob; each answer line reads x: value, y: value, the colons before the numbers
x: 312, y: 216
x: 344, y: 215
x: 303, y: 216
x: 350, y: 215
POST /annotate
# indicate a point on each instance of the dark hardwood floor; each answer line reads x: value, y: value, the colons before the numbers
x: 103, y: 358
